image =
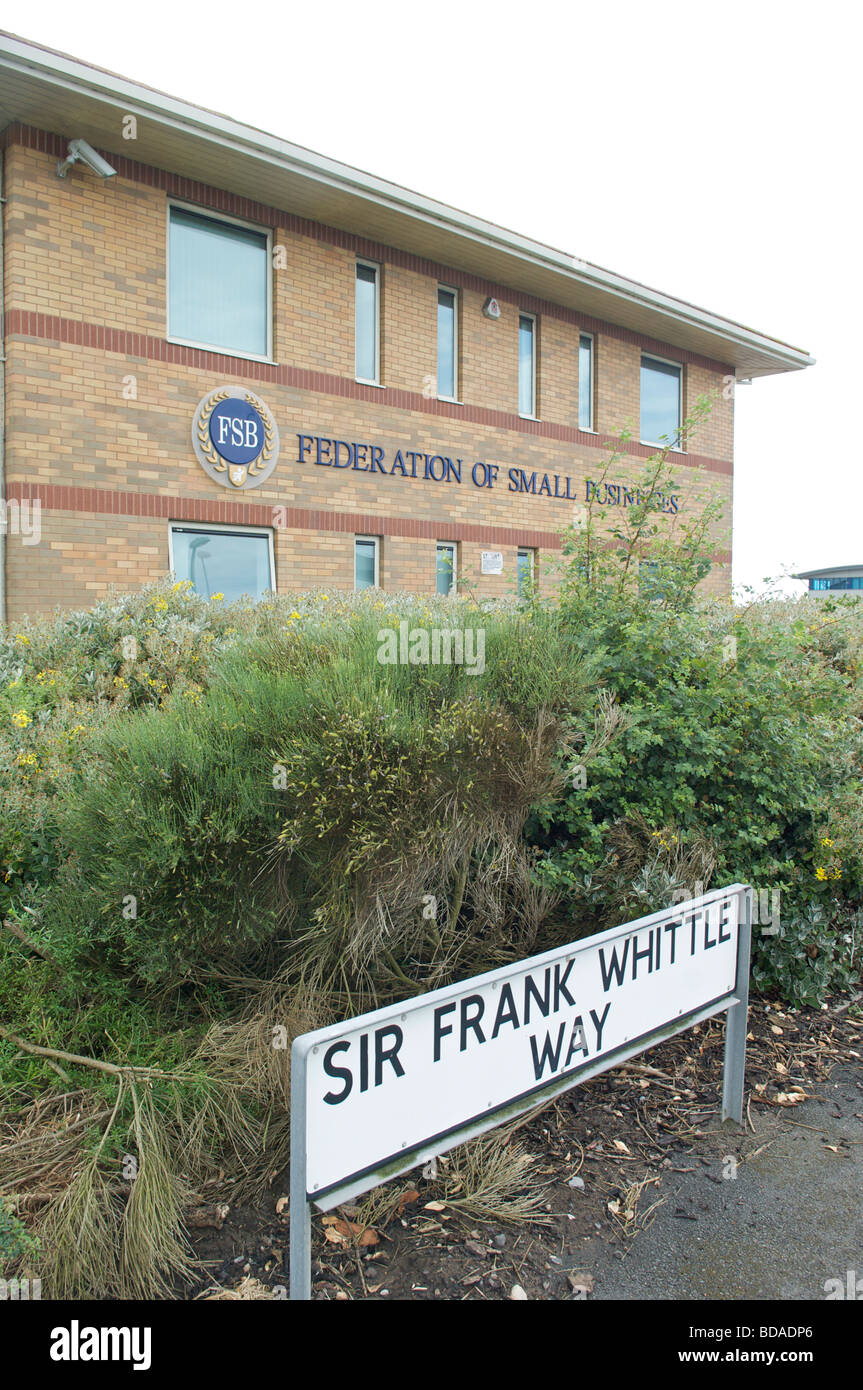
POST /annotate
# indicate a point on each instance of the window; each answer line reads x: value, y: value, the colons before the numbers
x: 527, y: 365
x: 446, y: 567
x: 366, y: 562
x: 585, y: 381
x: 525, y: 572
x: 661, y: 401
x: 447, y: 343
x: 218, y: 284
x: 854, y: 581
x: 219, y: 560
x: 367, y: 328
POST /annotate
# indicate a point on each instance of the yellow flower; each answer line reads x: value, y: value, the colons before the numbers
x: 828, y: 843
x: 21, y: 718
x: 820, y: 874
x: 13, y: 684
x: 325, y: 598
x: 22, y: 638
x: 295, y: 614
x: 216, y: 598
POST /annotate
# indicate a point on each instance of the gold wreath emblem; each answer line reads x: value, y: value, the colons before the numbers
x: 257, y: 465
x: 208, y: 448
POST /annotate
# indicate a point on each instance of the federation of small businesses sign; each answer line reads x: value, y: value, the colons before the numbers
x: 235, y: 438
x: 374, y: 1096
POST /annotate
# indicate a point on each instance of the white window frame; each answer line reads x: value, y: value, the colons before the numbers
x: 452, y: 546
x: 451, y: 289
x: 591, y: 428
x: 523, y: 314
x: 376, y: 540
x: 531, y: 554
x: 206, y: 527
x: 375, y: 266
x: 668, y: 362
x: 207, y: 215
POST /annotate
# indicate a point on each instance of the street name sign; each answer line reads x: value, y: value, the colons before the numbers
x: 374, y: 1096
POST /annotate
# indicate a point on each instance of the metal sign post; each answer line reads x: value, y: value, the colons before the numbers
x: 377, y: 1095
x: 736, y: 1022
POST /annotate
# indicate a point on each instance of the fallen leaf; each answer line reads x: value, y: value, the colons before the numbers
x: 407, y: 1198
x: 282, y: 1205
x: 790, y: 1097
x: 621, y: 1147
x: 434, y: 1206
x: 517, y: 1294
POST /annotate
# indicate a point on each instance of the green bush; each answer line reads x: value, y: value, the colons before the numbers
x: 16, y: 1242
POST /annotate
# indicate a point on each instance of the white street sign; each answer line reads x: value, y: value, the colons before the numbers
x: 382, y: 1086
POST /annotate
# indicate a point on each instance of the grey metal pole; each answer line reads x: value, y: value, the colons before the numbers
x: 737, y: 1020
x: 301, y: 1213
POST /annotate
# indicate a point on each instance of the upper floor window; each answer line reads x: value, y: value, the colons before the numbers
x: 585, y: 381
x: 447, y: 343
x: 661, y: 401
x: 527, y: 365
x: 218, y: 284
x: 368, y: 315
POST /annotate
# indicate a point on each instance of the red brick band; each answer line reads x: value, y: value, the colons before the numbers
x: 102, y: 502
x: 218, y: 200
x: 24, y: 323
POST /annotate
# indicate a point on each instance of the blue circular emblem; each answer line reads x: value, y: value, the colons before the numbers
x: 236, y: 431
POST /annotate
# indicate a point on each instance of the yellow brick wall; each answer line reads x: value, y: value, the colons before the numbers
x: 94, y: 253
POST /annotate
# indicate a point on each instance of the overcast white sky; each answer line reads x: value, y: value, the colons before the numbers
x: 712, y: 151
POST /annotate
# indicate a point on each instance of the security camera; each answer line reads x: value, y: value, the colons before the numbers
x: 79, y: 149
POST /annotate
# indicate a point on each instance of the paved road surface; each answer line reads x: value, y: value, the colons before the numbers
x: 791, y: 1220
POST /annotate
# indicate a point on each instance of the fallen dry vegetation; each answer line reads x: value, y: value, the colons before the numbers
x: 509, y: 1211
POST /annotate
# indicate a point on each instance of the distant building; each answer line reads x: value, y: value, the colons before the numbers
x: 843, y: 577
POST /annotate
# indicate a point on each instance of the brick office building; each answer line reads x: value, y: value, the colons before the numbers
x: 230, y: 357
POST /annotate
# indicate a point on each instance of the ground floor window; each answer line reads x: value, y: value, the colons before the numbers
x: 366, y: 562
x: 233, y: 562
x: 446, y: 567
x: 525, y: 572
